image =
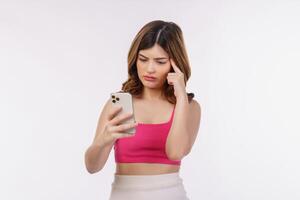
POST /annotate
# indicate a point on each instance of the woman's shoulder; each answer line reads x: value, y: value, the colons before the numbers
x: 195, y: 107
x: 195, y: 103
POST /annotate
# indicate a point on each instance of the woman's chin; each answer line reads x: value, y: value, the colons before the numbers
x: 152, y: 86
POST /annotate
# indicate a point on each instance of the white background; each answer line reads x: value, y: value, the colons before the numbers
x: 61, y: 59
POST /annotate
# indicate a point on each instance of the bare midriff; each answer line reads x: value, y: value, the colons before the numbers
x: 145, y: 168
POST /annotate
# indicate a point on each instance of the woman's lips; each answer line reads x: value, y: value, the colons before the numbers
x: 147, y: 78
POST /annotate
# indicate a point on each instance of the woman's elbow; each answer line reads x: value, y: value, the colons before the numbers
x: 175, y: 155
x: 92, y: 170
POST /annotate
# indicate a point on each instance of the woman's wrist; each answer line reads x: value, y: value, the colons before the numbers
x: 102, y: 144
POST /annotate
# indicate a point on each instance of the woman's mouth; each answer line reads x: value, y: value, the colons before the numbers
x: 149, y: 78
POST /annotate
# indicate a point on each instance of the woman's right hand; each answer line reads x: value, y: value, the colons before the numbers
x: 113, y: 129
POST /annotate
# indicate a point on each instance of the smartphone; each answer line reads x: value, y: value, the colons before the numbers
x: 124, y: 99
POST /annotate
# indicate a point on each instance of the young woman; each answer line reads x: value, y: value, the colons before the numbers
x: 167, y: 119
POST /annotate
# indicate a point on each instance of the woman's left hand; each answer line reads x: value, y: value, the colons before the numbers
x: 176, y: 79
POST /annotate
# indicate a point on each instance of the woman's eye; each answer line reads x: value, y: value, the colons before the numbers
x: 142, y: 60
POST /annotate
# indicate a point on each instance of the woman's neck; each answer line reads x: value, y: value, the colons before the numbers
x: 152, y: 94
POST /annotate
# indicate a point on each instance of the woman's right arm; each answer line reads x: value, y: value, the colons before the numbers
x: 107, y: 133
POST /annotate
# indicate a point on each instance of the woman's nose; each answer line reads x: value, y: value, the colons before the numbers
x: 150, y: 67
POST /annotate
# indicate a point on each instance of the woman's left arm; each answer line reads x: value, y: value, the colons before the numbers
x: 184, y: 128
x: 186, y: 119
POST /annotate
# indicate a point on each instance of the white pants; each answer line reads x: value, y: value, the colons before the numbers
x: 146, y: 187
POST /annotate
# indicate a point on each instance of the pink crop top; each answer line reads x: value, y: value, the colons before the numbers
x: 146, y: 146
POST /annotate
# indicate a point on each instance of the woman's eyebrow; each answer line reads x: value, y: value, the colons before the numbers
x: 159, y: 58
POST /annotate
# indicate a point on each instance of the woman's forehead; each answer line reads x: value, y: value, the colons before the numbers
x: 156, y: 52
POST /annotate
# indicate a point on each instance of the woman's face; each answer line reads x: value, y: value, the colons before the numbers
x: 153, y: 62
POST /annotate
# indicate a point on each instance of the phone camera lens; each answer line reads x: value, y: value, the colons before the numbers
x: 117, y: 98
x: 113, y: 96
x: 114, y: 101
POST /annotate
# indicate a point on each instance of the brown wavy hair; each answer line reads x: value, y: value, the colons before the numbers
x: 169, y: 36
